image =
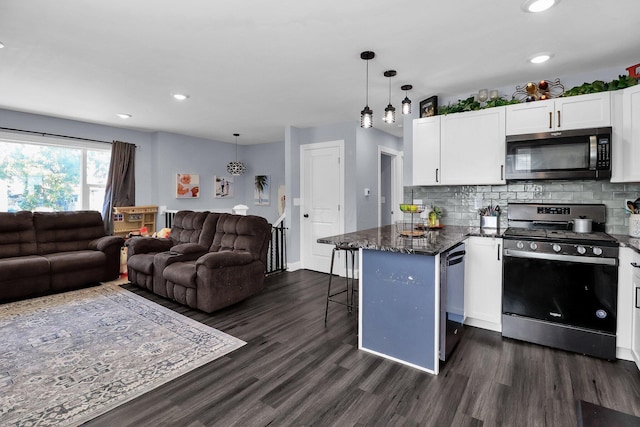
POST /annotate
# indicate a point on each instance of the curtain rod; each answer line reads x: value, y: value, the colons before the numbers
x: 56, y: 135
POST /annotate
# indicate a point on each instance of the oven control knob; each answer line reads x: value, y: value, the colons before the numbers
x: 581, y: 250
x: 533, y: 246
x: 520, y: 245
x: 597, y: 251
x: 557, y: 247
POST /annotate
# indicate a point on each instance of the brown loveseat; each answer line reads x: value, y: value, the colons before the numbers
x: 209, y: 261
x: 47, y: 252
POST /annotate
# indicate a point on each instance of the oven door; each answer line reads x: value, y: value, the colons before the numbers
x: 580, y: 292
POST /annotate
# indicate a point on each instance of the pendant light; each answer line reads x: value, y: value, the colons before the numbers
x: 366, y: 115
x: 406, y: 102
x: 236, y: 168
x: 390, y: 111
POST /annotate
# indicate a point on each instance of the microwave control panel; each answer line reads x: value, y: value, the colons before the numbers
x: 604, y: 155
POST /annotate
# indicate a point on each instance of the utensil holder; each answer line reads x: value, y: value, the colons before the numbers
x: 489, y: 221
x: 634, y: 225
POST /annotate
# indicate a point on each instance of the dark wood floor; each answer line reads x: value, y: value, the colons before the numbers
x: 294, y: 371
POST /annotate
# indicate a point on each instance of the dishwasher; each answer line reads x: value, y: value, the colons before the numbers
x: 451, y: 298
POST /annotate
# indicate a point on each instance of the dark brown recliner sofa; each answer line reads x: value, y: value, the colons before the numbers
x: 230, y: 270
x: 147, y: 256
x: 48, y: 252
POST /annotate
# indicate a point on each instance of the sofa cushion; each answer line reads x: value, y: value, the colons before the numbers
x: 142, y: 263
x: 66, y: 231
x: 75, y: 260
x: 182, y: 273
x: 241, y: 233
x: 187, y: 226
x: 17, y: 235
x: 23, y: 266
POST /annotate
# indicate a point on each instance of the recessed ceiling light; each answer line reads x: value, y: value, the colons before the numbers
x: 539, y: 58
x: 180, y: 96
x: 124, y: 115
x: 535, y: 6
x: 1, y: 45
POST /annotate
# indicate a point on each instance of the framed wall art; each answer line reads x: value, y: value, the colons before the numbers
x: 429, y: 107
x: 187, y: 186
x: 261, y: 190
x: 223, y: 186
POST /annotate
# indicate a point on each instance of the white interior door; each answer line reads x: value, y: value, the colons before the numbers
x: 322, y: 201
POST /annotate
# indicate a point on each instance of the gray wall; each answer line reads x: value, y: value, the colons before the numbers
x: 458, y: 202
x: 361, y: 151
x: 367, y: 142
x: 160, y: 155
x: 263, y: 159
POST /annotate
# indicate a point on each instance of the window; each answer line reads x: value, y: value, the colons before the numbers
x: 46, y: 174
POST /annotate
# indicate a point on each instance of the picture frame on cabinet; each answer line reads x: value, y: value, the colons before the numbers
x: 429, y: 107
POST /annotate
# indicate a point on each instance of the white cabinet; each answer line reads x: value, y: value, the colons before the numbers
x: 624, y: 310
x: 625, y: 150
x: 472, y: 149
x: 574, y: 112
x: 426, y: 151
x: 635, y: 300
x: 483, y: 283
x: 460, y: 149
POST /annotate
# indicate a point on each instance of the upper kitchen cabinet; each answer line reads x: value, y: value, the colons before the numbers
x: 460, y: 149
x: 625, y: 150
x: 426, y: 151
x: 472, y: 147
x: 574, y: 112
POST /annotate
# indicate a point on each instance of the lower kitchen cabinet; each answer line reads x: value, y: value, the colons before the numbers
x: 628, y: 314
x: 483, y: 283
x: 624, y: 313
x: 635, y: 332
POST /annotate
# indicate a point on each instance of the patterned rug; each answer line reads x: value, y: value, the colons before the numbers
x: 67, y: 358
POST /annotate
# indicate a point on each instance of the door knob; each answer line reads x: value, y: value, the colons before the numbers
x: 306, y: 215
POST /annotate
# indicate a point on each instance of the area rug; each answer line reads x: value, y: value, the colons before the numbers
x: 67, y: 358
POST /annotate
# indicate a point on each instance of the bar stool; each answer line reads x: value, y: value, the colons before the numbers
x: 350, y: 281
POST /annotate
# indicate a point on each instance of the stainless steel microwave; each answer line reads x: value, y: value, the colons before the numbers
x: 570, y: 154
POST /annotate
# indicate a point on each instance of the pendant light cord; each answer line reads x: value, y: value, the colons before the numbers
x: 367, y: 61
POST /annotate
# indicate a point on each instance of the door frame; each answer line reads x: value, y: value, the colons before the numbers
x: 396, y: 182
x: 304, y: 239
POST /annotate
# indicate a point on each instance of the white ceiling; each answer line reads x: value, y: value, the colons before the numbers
x: 254, y: 67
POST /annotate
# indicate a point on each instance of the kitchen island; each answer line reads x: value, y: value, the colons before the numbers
x: 399, y: 298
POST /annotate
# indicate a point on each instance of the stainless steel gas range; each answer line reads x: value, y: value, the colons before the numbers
x: 559, y: 286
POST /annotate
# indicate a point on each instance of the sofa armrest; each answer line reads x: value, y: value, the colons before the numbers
x: 189, y: 248
x: 225, y: 259
x: 143, y: 245
x: 104, y: 243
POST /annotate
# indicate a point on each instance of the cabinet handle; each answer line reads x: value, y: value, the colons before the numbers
x: 499, y: 245
x: 550, y: 119
x: 559, y: 118
x: 437, y: 175
x: 501, y: 172
x: 637, y: 297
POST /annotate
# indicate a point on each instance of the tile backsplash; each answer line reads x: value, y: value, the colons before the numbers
x: 459, y: 202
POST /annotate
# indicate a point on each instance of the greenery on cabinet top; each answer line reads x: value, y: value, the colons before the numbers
x: 472, y: 104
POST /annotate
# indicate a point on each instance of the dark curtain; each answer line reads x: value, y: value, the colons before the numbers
x: 121, y: 182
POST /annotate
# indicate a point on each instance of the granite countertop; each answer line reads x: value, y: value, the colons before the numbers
x: 434, y: 241
x: 388, y: 239
x: 628, y: 241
